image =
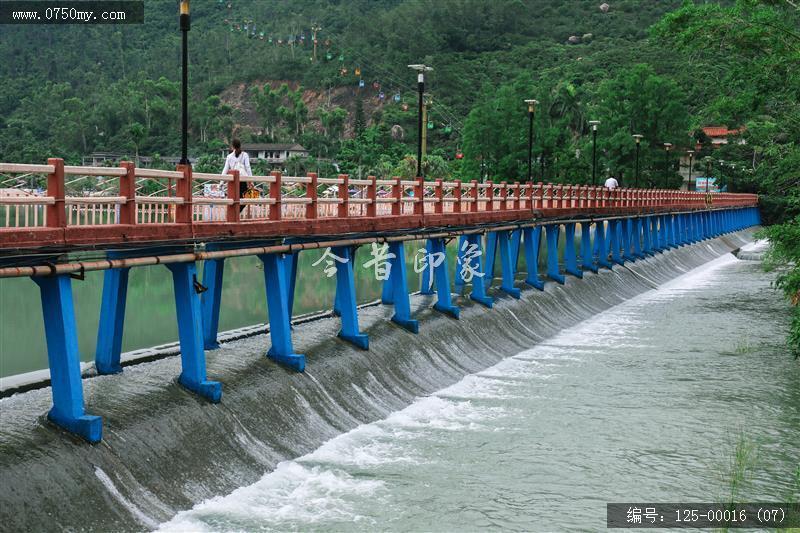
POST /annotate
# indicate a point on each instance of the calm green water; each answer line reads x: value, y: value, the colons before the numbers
x: 150, y: 314
x: 644, y: 402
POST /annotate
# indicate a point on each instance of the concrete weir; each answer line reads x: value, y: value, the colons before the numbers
x: 165, y: 448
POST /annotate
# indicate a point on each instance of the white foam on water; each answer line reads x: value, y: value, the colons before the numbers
x: 126, y: 503
x: 315, y: 489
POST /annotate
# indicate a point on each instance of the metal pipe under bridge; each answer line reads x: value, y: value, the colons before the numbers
x: 181, y: 221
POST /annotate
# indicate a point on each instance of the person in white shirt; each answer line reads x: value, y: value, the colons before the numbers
x: 611, y: 183
x: 239, y: 160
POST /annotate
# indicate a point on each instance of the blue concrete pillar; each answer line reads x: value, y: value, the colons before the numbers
x: 444, y: 302
x: 63, y: 358
x: 515, y: 239
x: 627, y: 239
x: 531, y: 241
x: 463, y: 245
x: 600, y: 241
x: 614, y: 232
x: 291, y: 261
x: 663, y: 235
x: 400, y: 298
x: 112, y: 321
x: 210, y: 300
x: 636, y: 237
x: 570, y: 257
x: 346, y: 297
x: 504, y: 247
x: 426, y: 283
x: 478, y: 280
x: 647, y: 247
x: 671, y: 242
x: 491, y: 251
x: 190, y: 332
x: 280, y: 332
x: 587, y: 260
x: 552, y: 231
x: 655, y: 235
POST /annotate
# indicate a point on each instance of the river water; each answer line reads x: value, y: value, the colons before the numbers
x: 647, y: 401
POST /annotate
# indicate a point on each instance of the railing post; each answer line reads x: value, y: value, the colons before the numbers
x: 311, y: 193
x: 397, y: 194
x: 473, y: 206
x: 127, y: 188
x: 518, y: 195
x: 183, y: 212
x: 344, y: 196
x: 490, y: 196
x: 419, y: 196
x: 56, y: 213
x: 234, y: 210
x: 457, y: 197
x: 540, y: 196
x: 438, y: 207
x: 372, y: 195
x: 276, y: 209
x: 503, y: 195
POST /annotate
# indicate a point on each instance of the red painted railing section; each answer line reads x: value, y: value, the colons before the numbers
x: 184, y: 204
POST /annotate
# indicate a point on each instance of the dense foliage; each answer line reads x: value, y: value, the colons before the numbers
x: 661, y: 69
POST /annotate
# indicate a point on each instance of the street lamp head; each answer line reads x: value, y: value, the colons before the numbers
x: 638, y: 137
x: 184, y: 7
x: 594, y: 124
x: 421, y: 70
x: 531, y: 104
x: 667, y: 146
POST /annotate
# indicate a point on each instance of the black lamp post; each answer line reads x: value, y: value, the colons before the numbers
x: 691, y: 161
x: 531, y: 109
x: 184, y: 25
x: 421, y: 69
x: 594, y: 124
x: 667, y: 147
x: 638, y: 138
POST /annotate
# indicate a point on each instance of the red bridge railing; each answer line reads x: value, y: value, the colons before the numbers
x: 183, y: 204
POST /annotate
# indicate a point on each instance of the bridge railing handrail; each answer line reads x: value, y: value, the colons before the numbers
x: 311, y: 197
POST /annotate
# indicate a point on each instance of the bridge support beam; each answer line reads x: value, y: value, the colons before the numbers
x: 346, y: 299
x: 587, y: 260
x: 426, y: 283
x: 507, y: 266
x: 190, y: 332
x: 478, y: 279
x: 280, y: 333
x: 552, y: 231
x: 636, y: 238
x: 647, y: 247
x: 210, y: 300
x: 600, y: 243
x: 614, y: 233
x: 399, y: 288
x: 531, y: 240
x: 461, y: 255
x: 570, y: 257
x: 444, y: 301
x: 628, y: 226
x: 112, y: 321
x: 58, y: 312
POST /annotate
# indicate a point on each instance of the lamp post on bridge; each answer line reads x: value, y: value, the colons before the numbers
x: 184, y: 26
x: 667, y: 147
x: 531, y: 110
x: 594, y: 124
x: 638, y: 138
x: 421, y: 70
x: 691, y: 161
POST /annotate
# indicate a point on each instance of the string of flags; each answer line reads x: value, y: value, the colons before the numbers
x: 325, y: 52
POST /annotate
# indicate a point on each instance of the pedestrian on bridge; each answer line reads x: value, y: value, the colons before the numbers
x: 239, y: 160
x: 611, y: 183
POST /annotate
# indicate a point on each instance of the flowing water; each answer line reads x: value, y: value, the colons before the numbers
x: 631, y: 385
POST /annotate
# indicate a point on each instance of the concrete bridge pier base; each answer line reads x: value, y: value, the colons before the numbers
x: 213, y: 270
x: 552, y: 231
x: 506, y: 265
x: 444, y: 301
x: 587, y: 260
x: 570, y: 257
x: 280, y: 333
x: 112, y: 321
x: 399, y: 288
x: 64, y: 360
x: 531, y: 240
x: 478, y: 280
x: 190, y: 332
x: 346, y: 298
